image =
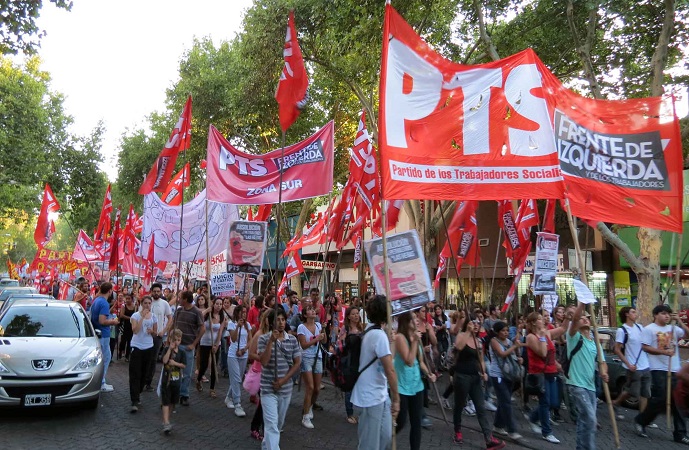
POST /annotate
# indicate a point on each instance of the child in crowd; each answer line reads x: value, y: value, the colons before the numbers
x: 173, y: 363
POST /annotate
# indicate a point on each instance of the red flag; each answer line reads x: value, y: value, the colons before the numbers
x: 250, y: 214
x: 104, y: 220
x: 283, y: 287
x: 45, y: 227
x: 84, y: 249
x: 64, y: 291
x: 148, y: 275
x: 115, y: 244
x: 393, y: 214
x: 442, y: 266
x: 263, y: 213
x: 129, y: 233
x: 138, y: 224
x: 158, y: 178
x: 294, y: 266
x: 173, y: 193
x: 507, y: 222
x: 292, y: 90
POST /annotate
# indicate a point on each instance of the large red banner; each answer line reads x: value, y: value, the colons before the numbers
x: 47, y: 261
x: 244, y: 179
x: 450, y: 131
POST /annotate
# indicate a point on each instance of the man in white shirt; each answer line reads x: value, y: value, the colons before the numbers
x: 161, y: 309
x: 370, y: 394
x: 629, y: 349
x: 659, y: 341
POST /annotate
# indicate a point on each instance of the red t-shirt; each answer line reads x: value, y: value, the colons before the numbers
x: 44, y: 289
x: 253, y: 316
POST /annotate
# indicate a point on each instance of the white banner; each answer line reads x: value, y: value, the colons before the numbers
x: 164, y: 221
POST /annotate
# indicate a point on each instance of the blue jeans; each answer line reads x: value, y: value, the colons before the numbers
x: 107, y: 355
x: 547, y: 400
x: 503, y: 416
x: 585, y: 402
x: 274, y: 412
x: 187, y: 372
x: 375, y: 427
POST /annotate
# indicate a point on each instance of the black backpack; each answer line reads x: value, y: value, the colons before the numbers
x: 626, y: 338
x: 344, y: 363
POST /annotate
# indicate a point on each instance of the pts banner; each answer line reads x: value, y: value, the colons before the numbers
x: 245, y: 179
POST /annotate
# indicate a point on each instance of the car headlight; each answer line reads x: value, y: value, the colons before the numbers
x: 3, y: 369
x: 91, y: 360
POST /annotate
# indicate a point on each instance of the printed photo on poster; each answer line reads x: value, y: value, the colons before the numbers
x: 247, y: 247
x: 410, y: 284
x: 545, y: 267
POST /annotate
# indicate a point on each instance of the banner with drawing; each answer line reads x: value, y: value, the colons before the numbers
x: 247, y: 246
x: 410, y: 283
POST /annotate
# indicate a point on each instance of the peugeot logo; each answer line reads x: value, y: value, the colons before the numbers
x: 42, y: 364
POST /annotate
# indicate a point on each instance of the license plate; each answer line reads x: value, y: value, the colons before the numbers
x: 37, y: 400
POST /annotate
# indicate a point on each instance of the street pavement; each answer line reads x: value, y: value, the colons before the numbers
x: 208, y: 424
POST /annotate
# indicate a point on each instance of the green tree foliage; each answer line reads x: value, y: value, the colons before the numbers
x: 36, y: 147
x: 18, y: 29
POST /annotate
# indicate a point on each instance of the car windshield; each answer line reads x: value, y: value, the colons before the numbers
x: 43, y: 321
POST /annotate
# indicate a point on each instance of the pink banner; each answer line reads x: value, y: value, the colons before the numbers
x: 244, y: 179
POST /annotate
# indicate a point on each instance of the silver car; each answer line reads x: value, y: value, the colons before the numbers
x: 49, y: 355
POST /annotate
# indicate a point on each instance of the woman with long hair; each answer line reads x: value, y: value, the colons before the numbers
x: 540, y: 351
x: 469, y: 376
x: 408, y: 362
x: 352, y: 326
x: 500, y: 348
x: 215, y: 322
x: 311, y: 335
x: 126, y: 313
x: 228, y: 310
x: 237, y: 355
x: 264, y: 327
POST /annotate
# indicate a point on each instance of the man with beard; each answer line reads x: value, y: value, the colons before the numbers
x: 161, y: 309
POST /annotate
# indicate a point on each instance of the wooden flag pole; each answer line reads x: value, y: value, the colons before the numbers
x: 278, y: 218
x: 210, y: 290
x: 582, y: 271
x: 386, y: 276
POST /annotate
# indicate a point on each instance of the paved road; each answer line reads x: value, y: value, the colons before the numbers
x: 208, y: 424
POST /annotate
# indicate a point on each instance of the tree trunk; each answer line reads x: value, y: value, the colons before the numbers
x: 649, y: 280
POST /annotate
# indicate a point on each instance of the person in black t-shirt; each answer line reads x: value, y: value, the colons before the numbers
x: 174, y: 361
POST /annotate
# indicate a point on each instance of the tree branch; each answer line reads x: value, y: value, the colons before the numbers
x: 584, y: 50
x: 634, y: 261
x: 659, y: 59
x: 485, y: 37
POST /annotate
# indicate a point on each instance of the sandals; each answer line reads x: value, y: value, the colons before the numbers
x: 199, y: 386
x: 353, y: 420
x: 213, y: 394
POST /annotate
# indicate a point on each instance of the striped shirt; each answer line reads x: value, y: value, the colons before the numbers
x: 288, y: 352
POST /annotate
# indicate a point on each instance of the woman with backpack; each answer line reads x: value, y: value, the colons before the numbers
x: 542, y: 372
x: 504, y: 371
x: 352, y: 326
x: 408, y: 362
x: 469, y: 376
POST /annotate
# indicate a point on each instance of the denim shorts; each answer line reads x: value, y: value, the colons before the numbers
x: 307, y: 364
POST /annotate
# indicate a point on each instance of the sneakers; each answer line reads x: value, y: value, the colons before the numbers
x: 469, y: 409
x: 167, y: 428
x: 652, y: 425
x: 239, y: 411
x: 256, y: 435
x: 306, y: 422
x: 639, y: 429
x: 184, y: 401
x: 515, y: 436
x: 535, y: 428
x: 458, y: 439
x: 494, y: 444
x: 106, y: 387
x: 310, y: 413
x: 490, y: 406
x: 426, y: 422
x: 133, y: 409
x: 683, y: 440
x: 229, y: 403
x: 500, y: 431
x: 552, y: 439
x: 446, y: 404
